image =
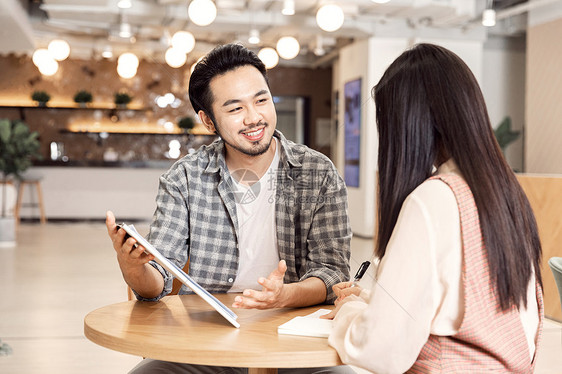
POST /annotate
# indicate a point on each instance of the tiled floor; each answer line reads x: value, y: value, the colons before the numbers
x: 60, y: 272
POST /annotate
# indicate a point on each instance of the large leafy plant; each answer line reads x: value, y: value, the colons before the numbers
x: 18, y: 147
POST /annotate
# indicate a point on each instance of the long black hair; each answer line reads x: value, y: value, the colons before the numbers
x: 430, y: 108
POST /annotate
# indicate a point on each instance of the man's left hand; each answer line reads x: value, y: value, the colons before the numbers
x: 271, y: 295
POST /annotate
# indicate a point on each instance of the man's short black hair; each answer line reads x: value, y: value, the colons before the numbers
x: 220, y: 60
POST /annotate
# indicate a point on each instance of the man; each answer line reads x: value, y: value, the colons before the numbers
x: 253, y: 212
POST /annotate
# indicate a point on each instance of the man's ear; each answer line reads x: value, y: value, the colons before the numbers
x: 207, y: 122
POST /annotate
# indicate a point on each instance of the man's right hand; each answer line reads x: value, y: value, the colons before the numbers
x: 130, y: 254
x: 133, y: 261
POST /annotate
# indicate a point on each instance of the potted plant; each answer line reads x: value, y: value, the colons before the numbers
x: 122, y: 99
x: 82, y: 98
x: 504, y: 135
x: 41, y: 97
x: 186, y: 123
x: 18, y: 146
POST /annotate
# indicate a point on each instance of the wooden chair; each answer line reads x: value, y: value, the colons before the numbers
x: 36, y: 183
x: 555, y: 264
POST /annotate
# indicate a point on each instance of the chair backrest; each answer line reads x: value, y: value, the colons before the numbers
x: 555, y: 264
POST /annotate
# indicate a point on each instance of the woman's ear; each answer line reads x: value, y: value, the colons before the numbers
x: 207, y: 122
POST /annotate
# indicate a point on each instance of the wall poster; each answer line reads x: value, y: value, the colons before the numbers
x: 352, y: 130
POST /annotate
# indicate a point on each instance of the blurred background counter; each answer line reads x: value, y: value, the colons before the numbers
x: 87, y: 192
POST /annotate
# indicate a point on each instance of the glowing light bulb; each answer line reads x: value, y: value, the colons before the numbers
x: 288, y: 47
x: 202, y: 12
x: 183, y: 41
x: 330, y: 17
x: 59, y: 49
x: 269, y: 57
x: 175, y: 58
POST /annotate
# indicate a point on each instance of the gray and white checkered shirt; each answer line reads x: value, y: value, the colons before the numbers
x: 196, y: 218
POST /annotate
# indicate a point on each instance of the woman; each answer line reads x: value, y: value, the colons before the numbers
x: 458, y: 287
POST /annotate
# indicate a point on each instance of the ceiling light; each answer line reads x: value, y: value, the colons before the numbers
x: 319, y: 47
x: 202, y: 12
x: 125, y: 71
x: 380, y: 1
x: 128, y: 60
x: 489, y: 17
x: 254, y: 37
x: 175, y: 58
x: 59, y: 49
x: 125, y: 30
x: 48, y: 67
x: 489, y: 14
x: 288, y: 47
x: 107, y: 52
x: 183, y: 41
x: 41, y: 55
x: 269, y: 57
x: 288, y: 7
x: 330, y: 17
x: 124, y: 4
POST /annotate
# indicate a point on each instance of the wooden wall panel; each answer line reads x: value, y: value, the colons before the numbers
x: 543, y: 96
x: 545, y: 195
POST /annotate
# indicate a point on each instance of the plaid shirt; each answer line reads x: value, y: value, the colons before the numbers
x: 196, y: 218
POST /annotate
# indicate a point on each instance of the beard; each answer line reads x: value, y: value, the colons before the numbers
x: 256, y: 148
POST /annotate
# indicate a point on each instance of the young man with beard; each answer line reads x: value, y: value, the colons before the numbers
x: 254, y: 213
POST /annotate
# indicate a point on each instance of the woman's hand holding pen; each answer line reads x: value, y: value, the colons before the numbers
x: 345, y: 291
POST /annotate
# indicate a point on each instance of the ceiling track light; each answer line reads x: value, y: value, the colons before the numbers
x: 107, y: 52
x: 288, y: 8
x: 125, y: 30
x: 489, y: 15
x: 254, y: 37
x: 124, y: 4
x: 319, y: 47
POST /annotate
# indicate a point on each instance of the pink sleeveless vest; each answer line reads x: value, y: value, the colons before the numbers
x: 488, y: 340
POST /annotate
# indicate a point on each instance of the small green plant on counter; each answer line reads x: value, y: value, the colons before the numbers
x: 122, y: 99
x: 186, y: 123
x: 83, y: 97
x: 18, y: 146
x: 41, y: 97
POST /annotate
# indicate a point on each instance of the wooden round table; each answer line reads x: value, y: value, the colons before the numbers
x: 186, y: 329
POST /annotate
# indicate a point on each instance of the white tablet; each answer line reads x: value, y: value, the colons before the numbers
x: 182, y: 276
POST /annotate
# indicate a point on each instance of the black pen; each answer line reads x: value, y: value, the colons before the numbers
x: 360, y: 272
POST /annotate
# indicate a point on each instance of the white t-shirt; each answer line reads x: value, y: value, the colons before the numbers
x: 257, y: 235
x: 419, y: 289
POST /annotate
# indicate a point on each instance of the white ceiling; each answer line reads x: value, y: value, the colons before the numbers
x: 91, y: 25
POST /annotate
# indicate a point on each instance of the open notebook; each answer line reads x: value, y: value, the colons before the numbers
x: 309, y: 325
x: 182, y: 276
